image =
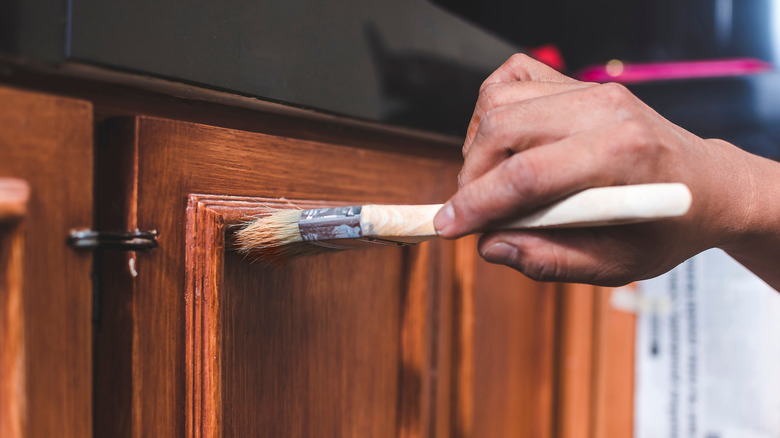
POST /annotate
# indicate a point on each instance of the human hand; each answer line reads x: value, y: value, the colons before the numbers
x: 537, y: 136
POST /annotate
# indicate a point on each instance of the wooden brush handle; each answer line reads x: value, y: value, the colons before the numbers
x: 592, y: 207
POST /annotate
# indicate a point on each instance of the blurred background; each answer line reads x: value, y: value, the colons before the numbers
x: 632, y: 30
x: 734, y: 99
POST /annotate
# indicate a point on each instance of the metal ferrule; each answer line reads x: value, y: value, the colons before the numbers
x: 330, y: 223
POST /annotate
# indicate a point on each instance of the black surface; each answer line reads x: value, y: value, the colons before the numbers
x: 595, y: 31
x: 36, y: 28
x: 743, y: 110
x: 405, y: 62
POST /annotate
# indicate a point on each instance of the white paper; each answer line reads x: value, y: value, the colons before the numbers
x: 708, y: 353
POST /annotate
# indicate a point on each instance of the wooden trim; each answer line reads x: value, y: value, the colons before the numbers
x: 596, y: 365
x: 545, y: 391
x: 463, y: 347
x: 416, y: 398
x: 613, y: 403
x: 209, y: 220
x: 14, y: 195
x: 575, y: 361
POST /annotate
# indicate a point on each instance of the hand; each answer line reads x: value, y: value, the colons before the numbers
x: 537, y: 136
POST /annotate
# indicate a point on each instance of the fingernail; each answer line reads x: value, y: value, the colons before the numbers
x: 500, y: 252
x: 444, y: 218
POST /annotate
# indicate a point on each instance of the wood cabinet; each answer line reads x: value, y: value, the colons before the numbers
x: 191, y: 339
x: 46, y: 287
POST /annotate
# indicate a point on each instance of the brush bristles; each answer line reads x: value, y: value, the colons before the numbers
x: 275, y: 239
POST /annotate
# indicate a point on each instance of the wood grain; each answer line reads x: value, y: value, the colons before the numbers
x: 463, y: 330
x: 514, y: 334
x: 47, y: 141
x: 596, y: 365
x: 14, y: 194
x: 332, y: 346
x: 613, y: 403
x: 576, y: 361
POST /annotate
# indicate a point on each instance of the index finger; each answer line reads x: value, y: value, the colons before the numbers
x: 529, y: 180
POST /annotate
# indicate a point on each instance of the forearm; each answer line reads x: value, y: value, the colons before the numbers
x: 756, y: 243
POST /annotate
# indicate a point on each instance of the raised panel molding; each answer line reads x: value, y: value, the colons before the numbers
x: 209, y: 222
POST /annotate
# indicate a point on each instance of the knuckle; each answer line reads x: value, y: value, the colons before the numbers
x: 487, y: 82
x: 461, y: 179
x: 466, y: 203
x: 495, y: 124
x: 519, y: 60
x: 490, y: 124
x: 615, y: 93
x: 524, y: 177
x: 487, y: 95
x: 517, y: 63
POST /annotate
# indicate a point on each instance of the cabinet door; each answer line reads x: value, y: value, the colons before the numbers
x: 339, y: 344
x: 377, y: 342
x: 47, y: 289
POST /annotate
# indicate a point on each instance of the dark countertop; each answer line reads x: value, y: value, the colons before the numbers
x: 406, y: 63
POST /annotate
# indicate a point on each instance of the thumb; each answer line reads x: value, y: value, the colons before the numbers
x: 583, y: 255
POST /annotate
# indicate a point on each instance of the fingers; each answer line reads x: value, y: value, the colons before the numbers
x: 521, y: 67
x: 572, y: 255
x: 531, y: 179
x: 513, y: 128
x: 496, y: 95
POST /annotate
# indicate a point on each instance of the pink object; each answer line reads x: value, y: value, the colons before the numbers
x: 616, y: 71
x: 549, y: 54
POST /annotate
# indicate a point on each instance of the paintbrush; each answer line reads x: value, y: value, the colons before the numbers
x: 287, y: 234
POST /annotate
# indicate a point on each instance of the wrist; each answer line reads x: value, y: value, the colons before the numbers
x: 751, y: 229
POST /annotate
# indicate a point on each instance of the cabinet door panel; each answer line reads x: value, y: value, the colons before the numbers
x: 338, y: 345
x: 295, y: 350
x: 333, y: 333
x: 47, y: 141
